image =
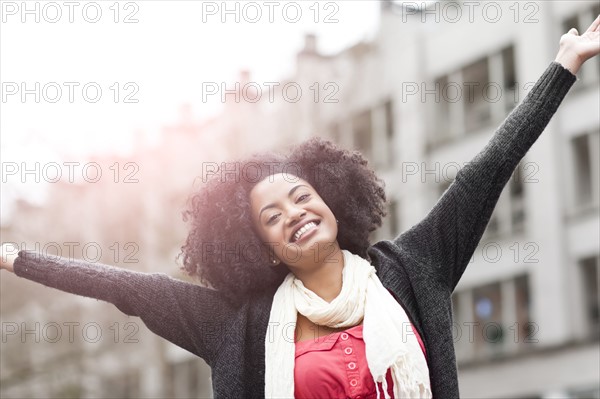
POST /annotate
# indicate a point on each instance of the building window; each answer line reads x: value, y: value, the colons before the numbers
x: 585, y: 393
x: 363, y: 134
x: 590, y: 274
x: 390, y: 226
x: 70, y: 391
x: 586, y: 158
x: 477, y: 107
x: 464, y: 101
x: 496, y: 223
x: 123, y: 386
x: 185, y: 377
x: 523, y: 330
x: 583, y: 169
x: 392, y: 218
x: 509, y: 215
x: 132, y: 384
x: 493, y: 319
x: 493, y: 227
x: 442, y: 112
x: 517, y: 200
x: 389, y: 131
x: 488, y: 329
x: 460, y: 323
x: 595, y: 11
x: 510, y: 89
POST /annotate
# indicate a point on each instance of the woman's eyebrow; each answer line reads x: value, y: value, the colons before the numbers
x: 289, y: 195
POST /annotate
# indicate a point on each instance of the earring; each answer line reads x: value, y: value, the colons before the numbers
x: 337, y: 221
x: 275, y: 262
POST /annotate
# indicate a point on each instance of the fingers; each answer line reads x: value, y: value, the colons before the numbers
x: 595, y: 26
x: 573, y: 31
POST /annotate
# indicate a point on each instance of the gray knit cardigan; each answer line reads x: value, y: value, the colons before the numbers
x: 421, y: 267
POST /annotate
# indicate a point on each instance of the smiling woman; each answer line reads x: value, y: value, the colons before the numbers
x: 290, y: 249
x: 241, y: 224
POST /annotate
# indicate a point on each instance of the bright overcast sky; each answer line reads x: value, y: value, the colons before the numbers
x: 161, y: 61
x: 166, y: 55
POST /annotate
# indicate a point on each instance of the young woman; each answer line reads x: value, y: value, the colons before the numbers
x: 301, y: 303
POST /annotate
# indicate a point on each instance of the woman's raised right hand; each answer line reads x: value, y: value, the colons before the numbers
x: 8, y: 254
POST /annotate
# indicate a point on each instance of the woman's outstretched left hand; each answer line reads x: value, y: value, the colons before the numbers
x: 575, y: 49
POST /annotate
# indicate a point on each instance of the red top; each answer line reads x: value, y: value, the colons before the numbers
x: 335, y: 366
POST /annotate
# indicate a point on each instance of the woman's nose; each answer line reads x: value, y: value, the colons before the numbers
x: 295, y: 213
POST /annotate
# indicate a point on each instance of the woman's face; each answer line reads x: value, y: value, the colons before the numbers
x: 293, y: 220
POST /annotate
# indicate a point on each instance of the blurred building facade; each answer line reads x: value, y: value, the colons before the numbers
x: 419, y: 100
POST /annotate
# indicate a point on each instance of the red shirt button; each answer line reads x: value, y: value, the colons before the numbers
x: 353, y: 382
x: 344, y: 336
x: 348, y: 351
x: 351, y: 365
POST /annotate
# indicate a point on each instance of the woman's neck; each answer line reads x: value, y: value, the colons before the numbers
x: 325, y: 279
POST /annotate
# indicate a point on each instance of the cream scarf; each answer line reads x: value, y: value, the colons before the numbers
x: 388, y: 337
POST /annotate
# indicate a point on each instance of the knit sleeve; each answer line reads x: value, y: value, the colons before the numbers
x: 447, y: 237
x: 188, y: 315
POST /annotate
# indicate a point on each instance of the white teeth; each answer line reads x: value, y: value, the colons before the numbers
x: 303, y: 230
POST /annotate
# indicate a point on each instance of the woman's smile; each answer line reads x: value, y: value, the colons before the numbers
x: 305, y: 232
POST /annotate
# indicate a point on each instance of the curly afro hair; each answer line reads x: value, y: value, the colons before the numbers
x: 222, y: 247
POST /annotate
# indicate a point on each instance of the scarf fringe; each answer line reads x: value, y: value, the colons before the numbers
x: 408, y: 382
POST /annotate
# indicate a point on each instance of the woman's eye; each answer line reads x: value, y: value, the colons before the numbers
x: 272, y: 218
x: 302, y: 197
